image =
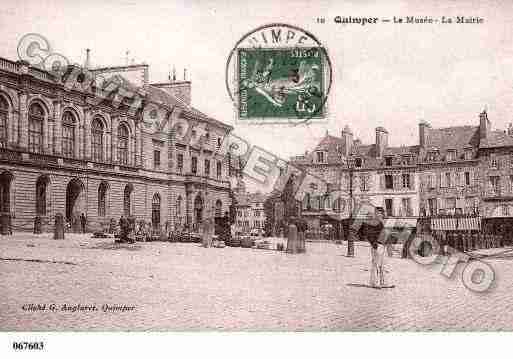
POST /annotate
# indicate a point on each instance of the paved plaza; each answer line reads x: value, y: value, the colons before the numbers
x: 182, y: 286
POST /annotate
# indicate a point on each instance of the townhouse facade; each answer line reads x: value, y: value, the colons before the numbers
x: 249, y: 210
x: 74, y: 151
x: 449, y: 170
x: 361, y: 177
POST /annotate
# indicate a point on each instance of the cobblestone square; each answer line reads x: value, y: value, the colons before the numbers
x: 182, y: 286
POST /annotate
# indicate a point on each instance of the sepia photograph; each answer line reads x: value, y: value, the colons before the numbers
x: 203, y: 167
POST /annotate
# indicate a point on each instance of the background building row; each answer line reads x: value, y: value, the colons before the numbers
x: 452, y: 170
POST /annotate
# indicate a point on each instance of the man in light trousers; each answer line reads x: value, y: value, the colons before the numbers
x: 374, y: 232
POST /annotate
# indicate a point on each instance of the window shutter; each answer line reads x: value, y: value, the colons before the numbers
x: 370, y: 182
x: 412, y: 180
x: 460, y: 203
x: 315, y: 203
x: 382, y: 181
x: 397, y: 181
x: 442, y: 179
x: 439, y: 205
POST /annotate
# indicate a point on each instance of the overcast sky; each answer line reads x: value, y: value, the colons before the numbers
x: 384, y: 75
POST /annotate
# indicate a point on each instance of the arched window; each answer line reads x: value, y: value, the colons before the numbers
x: 4, y: 115
x: 41, y: 186
x: 123, y: 136
x: 97, y: 139
x: 155, y: 209
x: 219, y: 208
x: 127, y: 200
x: 68, y: 134
x: 36, y: 117
x: 102, y: 199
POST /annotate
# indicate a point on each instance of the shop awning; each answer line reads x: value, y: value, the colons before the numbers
x: 456, y: 224
x: 400, y: 222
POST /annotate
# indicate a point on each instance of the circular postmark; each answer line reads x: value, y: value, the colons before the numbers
x: 279, y: 73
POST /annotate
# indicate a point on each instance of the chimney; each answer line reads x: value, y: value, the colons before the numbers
x: 484, y: 125
x: 424, y: 127
x: 347, y: 141
x: 381, y: 141
x: 87, y: 63
x: 178, y: 89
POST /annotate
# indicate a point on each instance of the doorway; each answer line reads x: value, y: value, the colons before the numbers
x: 198, y: 210
x: 5, y: 192
x: 74, y: 199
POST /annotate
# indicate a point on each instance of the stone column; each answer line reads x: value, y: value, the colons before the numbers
x: 12, y: 120
x: 114, y: 139
x: 45, y: 134
x: 137, y: 144
x: 87, y: 135
x: 106, y: 145
x: 76, y: 129
x: 58, y: 127
x: 131, y: 149
x: 23, y: 128
x: 188, y: 207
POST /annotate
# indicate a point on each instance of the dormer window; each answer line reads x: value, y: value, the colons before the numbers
x: 406, y: 159
x: 451, y: 155
x: 468, y: 154
x: 432, y: 156
x: 388, y: 161
x: 320, y: 157
x: 358, y: 162
x: 493, y: 162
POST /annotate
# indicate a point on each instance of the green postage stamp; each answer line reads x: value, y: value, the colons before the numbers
x: 281, y: 83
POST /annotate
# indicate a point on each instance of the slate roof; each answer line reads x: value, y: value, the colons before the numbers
x: 159, y: 95
x: 456, y: 137
x: 328, y: 143
x: 497, y: 139
x: 246, y: 199
x: 333, y: 145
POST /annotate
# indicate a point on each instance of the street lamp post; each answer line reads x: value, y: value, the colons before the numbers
x: 350, y: 242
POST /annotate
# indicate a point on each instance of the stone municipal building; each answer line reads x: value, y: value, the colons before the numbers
x: 66, y: 151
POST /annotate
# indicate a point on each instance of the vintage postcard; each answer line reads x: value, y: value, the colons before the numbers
x: 191, y: 166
